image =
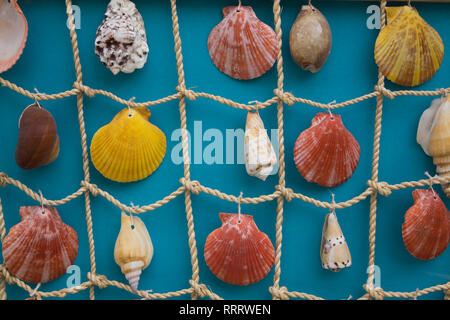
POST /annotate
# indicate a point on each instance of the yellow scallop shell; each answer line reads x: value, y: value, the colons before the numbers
x: 408, y: 50
x: 129, y: 148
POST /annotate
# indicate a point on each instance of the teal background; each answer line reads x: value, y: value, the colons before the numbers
x: 47, y: 64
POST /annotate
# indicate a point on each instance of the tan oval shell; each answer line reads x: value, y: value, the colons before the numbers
x: 41, y: 247
x: 310, y: 39
x: 408, y: 50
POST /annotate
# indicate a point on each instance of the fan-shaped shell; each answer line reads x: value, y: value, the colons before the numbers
x: 326, y: 153
x: 260, y: 157
x: 13, y: 33
x: 408, y: 50
x: 426, y: 229
x: 38, y: 142
x: 41, y: 247
x: 242, y: 46
x: 237, y: 252
x: 129, y: 148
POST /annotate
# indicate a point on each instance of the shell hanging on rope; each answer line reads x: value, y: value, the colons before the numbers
x: 334, y: 251
x: 326, y: 153
x: 408, y: 50
x: 237, y: 252
x: 433, y: 134
x: 13, y: 33
x: 41, y: 247
x: 121, y: 41
x: 38, y: 142
x: 310, y: 39
x: 241, y: 46
x: 426, y: 229
x: 129, y: 148
x: 260, y: 157
x: 133, y: 251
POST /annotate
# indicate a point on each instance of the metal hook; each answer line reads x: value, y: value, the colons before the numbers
x: 329, y: 108
x: 128, y: 105
x: 239, y: 206
x: 333, y: 202
x: 42, y: 201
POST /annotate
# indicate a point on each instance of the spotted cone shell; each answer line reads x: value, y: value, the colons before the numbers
x: 241, y: 46
x: 41, y: 247
x: 260, y: 157
x: 426, y: 229
x: 237, y: 252
x: 326, y: 153
x: 129, y: 148
x: 408, y: 50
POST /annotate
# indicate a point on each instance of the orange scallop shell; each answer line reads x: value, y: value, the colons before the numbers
x: 242, y: 46
x: 326, y: 153
x: 237, y: 252
x: 40, y: 247
x: 426, y: 229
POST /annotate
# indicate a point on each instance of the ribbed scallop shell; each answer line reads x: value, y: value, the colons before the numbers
x: 260, y: 157
x: 41, y: 247
x: 408, y: 50
x: 237, y: 252
x: 326, y: 153
x: 13, y: 33
x: 426, y: 229
x: 242, y: 46
x: 129, y: 148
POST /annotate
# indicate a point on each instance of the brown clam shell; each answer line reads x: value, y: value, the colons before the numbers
x: 38, y: 143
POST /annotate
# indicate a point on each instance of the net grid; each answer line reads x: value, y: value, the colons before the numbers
x: 188, y: 186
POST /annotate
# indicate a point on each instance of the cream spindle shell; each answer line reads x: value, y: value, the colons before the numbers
x: 260, y: 156
x: 133, y: 250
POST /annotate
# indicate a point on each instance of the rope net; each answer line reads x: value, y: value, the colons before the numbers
x: 188, y: 186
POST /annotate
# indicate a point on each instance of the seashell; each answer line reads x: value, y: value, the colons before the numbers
x: 129, y: 148
x: 326, y: 153
x: 426, y: 229
x: 40, y: 247
x: 133, y: 250
x: 334, y: 251
x: 260, y: 157
x: 408, y: 50
x: 13, y: 33
x: 241, y: 46
x: 38, y: 142
x: 433, y: 134
x: 121, y: 42
x: 310, y: 39
x: 237, y: 252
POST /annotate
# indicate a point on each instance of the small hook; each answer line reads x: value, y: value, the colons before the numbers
x: 329, y: 108
x: 239, y: 206
x: 333, y: 202
x: 128, y: 105
x: 41, y: 201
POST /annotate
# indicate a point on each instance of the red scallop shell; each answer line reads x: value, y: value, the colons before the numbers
x: 241, y: 46
x: 237, y: 252
x: 40, y: 247
x: 326, y: 153
x: 426, y: 229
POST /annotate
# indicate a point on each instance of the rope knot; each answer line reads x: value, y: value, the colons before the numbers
x: 84, y: 89
x: 3, y: 179
x: 381, y: 187
x: 190, y: 94
x: 376, y: 293
x: 98, y: 280
x: 200, y: 289
x: 385, y: 92
x: 279, y: 293
x: 287, y: 193
x: 286, y: 97
x: 93, y: 188
x: 192, y: 185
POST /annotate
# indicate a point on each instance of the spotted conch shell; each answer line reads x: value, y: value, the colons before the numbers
x: 134, y: 249
x: 121, y: 42
x: 237, y: 252
x: 326, y: 153
x: 334, y: 251
x: 260, y: 157
x: 13, y: 33
x: 426, y: 229
x: 408, y: 50
x: 433, y: 134
x: 40, y: 247
x: 241, y: 46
